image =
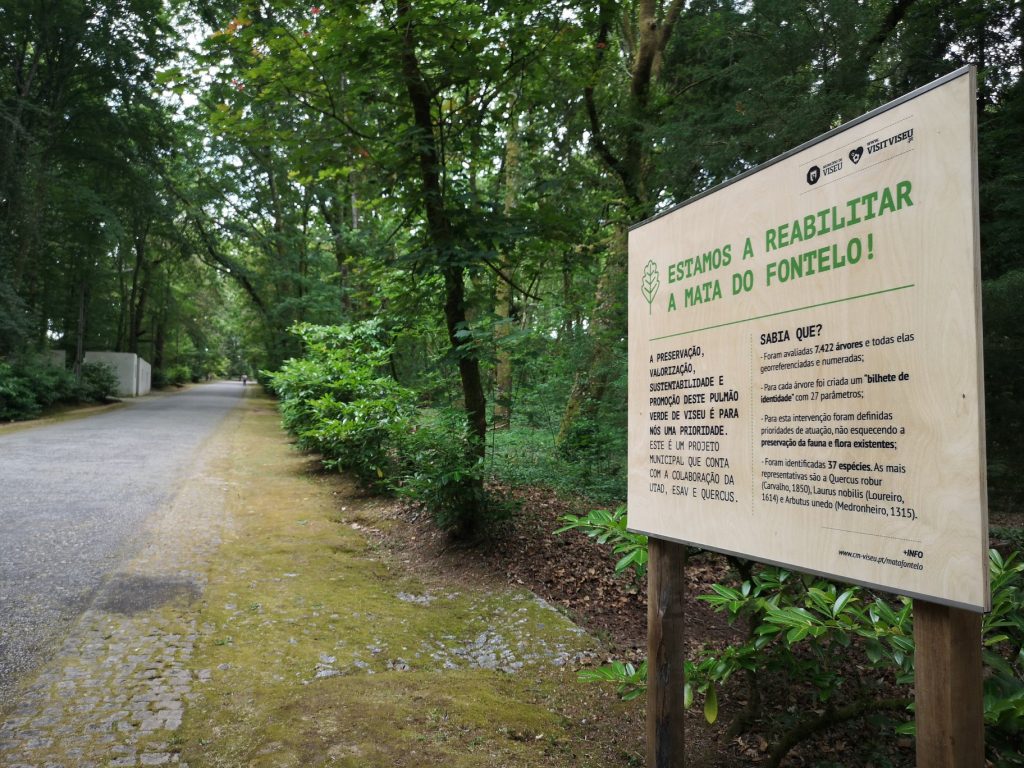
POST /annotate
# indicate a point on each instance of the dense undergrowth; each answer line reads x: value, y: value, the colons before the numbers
x: 528, y: 456
x: 339, y: 401
x: 29, y: 385
x: 848, y: 652
x: 342, y: 401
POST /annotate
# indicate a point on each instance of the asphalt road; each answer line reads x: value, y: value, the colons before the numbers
x: 74, y: 498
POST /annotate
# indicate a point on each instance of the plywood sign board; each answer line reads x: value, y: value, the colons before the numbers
x: 805, y: 383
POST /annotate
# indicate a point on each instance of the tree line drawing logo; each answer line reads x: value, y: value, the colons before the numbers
x: 651, y: 283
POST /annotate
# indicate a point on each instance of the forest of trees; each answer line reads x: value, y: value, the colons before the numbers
x: 409, y: 219
x: 188, y: 179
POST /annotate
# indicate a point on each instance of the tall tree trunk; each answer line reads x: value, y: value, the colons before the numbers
x: 83, y: 297
x: 160, y: 336
x: 502, y: 418
x: 137, y: 296
x: 122, y: 291
x: 439, y: 229
x: 333, y: 206
x: 607, y: 332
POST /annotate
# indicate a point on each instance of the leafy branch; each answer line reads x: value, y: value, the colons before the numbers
x: 797, y: 625
x: 610, y: 528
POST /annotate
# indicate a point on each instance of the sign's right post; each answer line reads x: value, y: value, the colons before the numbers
x: 947, y: 680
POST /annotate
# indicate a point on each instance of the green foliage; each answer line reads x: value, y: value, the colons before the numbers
x: 15, y: 320
x: 1004, y: 389
x: 630, y: 681
x: 1006, y: 537
x: 591, y: 462
x: 610, y: 528
x: 593, y: 441
x: 158, y: 378
x: 178, y: 375
x: 789, y: 611
x: 337, y: 402
x: 443, y: 471
x: 86, y: 134
x: 17, y: 398
x: 98, y: 381
x: 799, y: 626
x: 361, y: 434
x: 1003, y: 656
x: 527, y: 456
x: 29, y: 385
x: 49, y: 383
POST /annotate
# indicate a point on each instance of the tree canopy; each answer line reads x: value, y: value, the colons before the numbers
x: 190, y: 178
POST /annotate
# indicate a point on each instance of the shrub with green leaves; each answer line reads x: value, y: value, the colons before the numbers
x: 527, y: 456
x: 360, y: 435
x: 796, y: 625
x: 1003, y: 656
x: 804, y: 630
x: 98, y: 381
x: 442, y: 470
x: 609, y: 528
x: 338, y: 401
x: 630, y: 680
x: 338, y: 362
x: 29, y: 385
x: 17, y: 398
x: 178, y: 375
x: 49, y: 383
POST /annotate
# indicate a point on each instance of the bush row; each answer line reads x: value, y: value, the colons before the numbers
x: 339, y: 401
x: 29, y: 385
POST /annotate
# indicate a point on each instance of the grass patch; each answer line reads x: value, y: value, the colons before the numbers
x: 321, y: 650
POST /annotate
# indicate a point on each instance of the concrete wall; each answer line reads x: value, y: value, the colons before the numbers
x: 143, y: 378
x: 133, y: 373
x: 57, y: 358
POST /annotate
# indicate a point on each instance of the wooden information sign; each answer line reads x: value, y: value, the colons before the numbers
x: 805, y: 383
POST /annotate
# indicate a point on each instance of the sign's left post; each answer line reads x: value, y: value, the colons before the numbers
x: 666, y: 653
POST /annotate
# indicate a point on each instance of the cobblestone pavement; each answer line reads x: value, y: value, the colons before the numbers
x: 115, y: 692
x: 75, y: 497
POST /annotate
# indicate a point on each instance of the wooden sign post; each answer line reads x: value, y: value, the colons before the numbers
x: 805, y: 390
x: 947, y: 685
x: 666, y: 653
x: 947, y: 673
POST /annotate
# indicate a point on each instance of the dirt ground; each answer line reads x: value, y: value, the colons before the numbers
x: 574, y: 572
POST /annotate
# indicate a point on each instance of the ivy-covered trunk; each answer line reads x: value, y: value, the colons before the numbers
x: 628, y: 158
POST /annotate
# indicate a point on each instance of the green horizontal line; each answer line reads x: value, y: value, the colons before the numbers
x: 783, y: 312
